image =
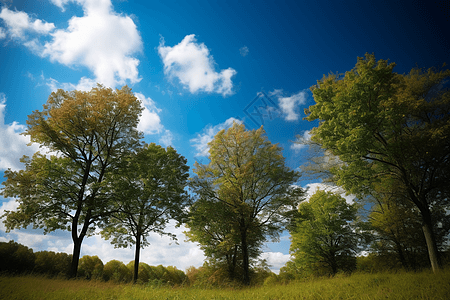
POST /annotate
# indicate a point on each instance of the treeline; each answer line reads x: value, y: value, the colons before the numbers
x: 17, y: 259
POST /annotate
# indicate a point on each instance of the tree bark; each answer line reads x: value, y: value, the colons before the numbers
x: 433, y: 252
x: 75, y: 257
x: 245, y: 259
x: 136, y: 257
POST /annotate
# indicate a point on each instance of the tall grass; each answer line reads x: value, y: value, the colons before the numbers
x: 424, y: 285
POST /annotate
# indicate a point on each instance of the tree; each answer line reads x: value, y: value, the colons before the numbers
x: 385, y: 125
x: 90, y: 132
x: 247, y: 175
x: 150, y: 192
x: 90, y: 267
x: 117, y: 272
x: 325, y: 234
x: 211, y: 225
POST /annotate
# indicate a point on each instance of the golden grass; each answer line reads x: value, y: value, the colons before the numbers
x: 424, y: 285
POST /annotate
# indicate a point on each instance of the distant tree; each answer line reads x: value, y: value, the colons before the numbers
x: 248, y: 175
x: 51, y: 263
x: 385, y: 125
x: 150, y: 190
x: 324, y: 235
x: 16, y: 258
x: 90, y: 267
x: 116, y: 271
x: 90, y: 132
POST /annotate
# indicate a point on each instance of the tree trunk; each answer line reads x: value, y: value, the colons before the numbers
x: 245, y: 259
x: 433, y: 252
x: 75, y: 257
x: 136, y: 257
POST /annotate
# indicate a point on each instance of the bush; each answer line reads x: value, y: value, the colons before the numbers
x: 52, y: 264
x: 117, y: 272
x: 16, y: 258
x: 90, y: 267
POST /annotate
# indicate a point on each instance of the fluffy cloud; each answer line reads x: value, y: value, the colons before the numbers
x: 275, y: 260
x: 200, y: 143
x: 150, y: 122
x: 289, y: 106
x: 101, y: 40
x: 194, y: 67
x: 13, y: 145
x: 19, y: 23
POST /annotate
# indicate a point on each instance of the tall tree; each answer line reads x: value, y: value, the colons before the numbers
x: 325, y: 234
x: 150, y: 192
x: 385, y: 125
x: 90, y: 133
x: 248, y: 175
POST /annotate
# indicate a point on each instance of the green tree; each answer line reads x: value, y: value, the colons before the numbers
x: 117, y: 272
x: 248, y: 175
x: 90, y: 133
x: 324, y: 236
x: 150, y: 190
x: 51, y: 263
x: 385, y: 125
x: 90, y: 267
x: 16, y: 258
x: 211, y: 225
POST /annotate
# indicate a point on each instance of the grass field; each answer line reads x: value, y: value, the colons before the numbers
x: 424, y: 285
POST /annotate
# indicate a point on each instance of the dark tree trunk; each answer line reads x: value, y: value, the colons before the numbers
x: 136, y: 257
x: 245, y: 258
x: 75, y: 257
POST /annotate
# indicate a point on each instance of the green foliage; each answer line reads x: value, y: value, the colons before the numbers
x: 90, y: 132
x: 324, y: 239
x: 16, y: 258
x: 249, y: 191
x: 149, y: 191
x: 370, y: 116
x: 90, y: 267
x: 52, y: 264
x: 117, y: 272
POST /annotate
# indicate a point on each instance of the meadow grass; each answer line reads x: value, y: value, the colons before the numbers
x: 402, y: 285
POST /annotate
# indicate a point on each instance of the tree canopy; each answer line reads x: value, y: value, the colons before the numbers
x: 249, y: 181
x: 386, y: 125
x: 88, y: 133
x: 324, y: 235
x: 150, y: 191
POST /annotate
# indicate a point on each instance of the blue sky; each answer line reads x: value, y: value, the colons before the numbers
x: 197, y: 66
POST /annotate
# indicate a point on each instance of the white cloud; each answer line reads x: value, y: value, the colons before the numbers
x: 289, y: 105
x: 276, y: 260
x: 302, y: 141
x: 166, y: 139
x: 18, y: 23
x: 244, y: 51
x: 13, y: 145
x: 194, y: 67
x: 85, y: 84
x: 2, y: 33
x: 100, y: 40
x: 201, y: 141
x: 150, y: 122
x: 314, y: 187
